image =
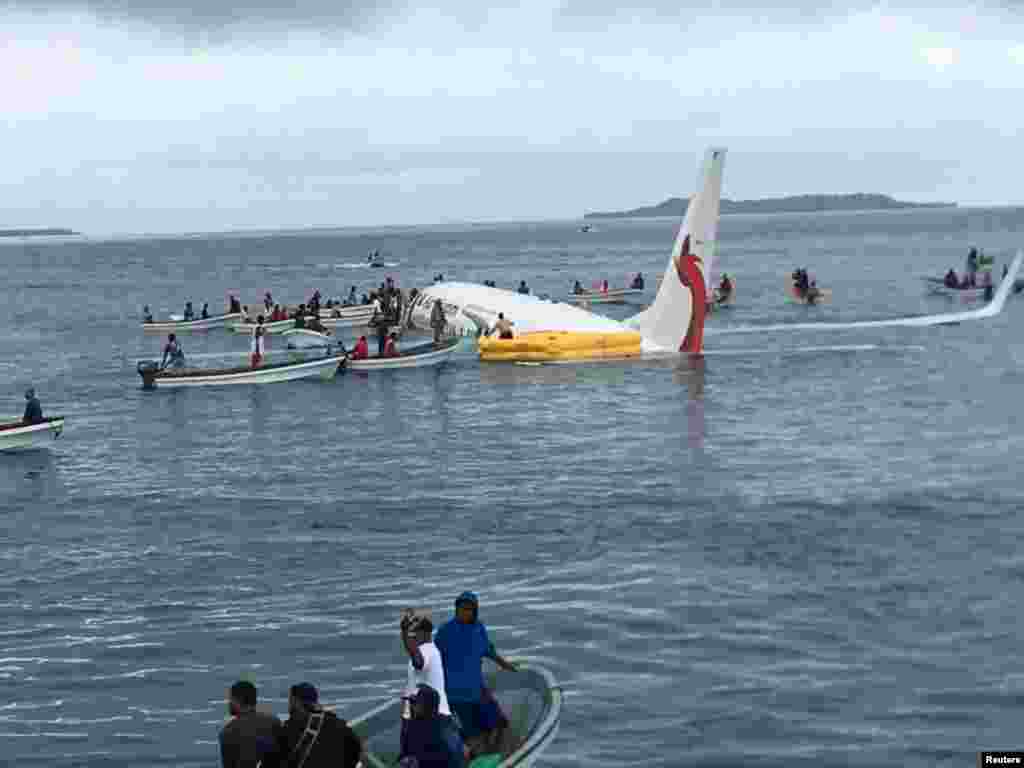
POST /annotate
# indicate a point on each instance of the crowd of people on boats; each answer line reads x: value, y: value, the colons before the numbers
x: 976, y: 262
x: 448, y: 714
x: 636, y: 284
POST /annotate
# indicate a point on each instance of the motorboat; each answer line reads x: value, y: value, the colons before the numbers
x: 17, y: 435
x: 153, y: 377
x: 414, y: 357
x: 203, y: 324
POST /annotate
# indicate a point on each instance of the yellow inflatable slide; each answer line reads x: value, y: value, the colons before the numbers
x: 541, y: 346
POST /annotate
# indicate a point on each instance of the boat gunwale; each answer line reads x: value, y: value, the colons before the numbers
x: 200, y: 373
x: 213, y: 321
x: 39, y: 426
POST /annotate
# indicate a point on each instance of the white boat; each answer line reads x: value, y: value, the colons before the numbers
x: 153, y: 377
x: 204, y: 324
x: 611, y: 296
x: 17, y: 435
x: 414, y: 357
x: 304, y: 338
x: 278, y: 326
x: 530, y: 698
x: 936, y: 286
x: 793, y: 295
x: 356, y: 312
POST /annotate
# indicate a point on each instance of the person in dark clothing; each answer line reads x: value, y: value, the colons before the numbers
x: 522, y: 287
x: 380, y: 322
x: 205, y: 313
x: 950, y: 280
x: 300, y: 316
x: 33, y: 408
x: 428, y: 738
x: 252, y: 738
x: 317, y: 738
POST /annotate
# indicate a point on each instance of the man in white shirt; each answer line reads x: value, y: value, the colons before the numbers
x: 425, y: 666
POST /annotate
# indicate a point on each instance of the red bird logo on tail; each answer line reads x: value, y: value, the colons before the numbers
x: 690, y: 268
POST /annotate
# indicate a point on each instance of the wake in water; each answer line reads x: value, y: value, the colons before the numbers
x: 367, y: 265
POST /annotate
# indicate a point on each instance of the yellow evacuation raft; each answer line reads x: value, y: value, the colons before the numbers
x: 541, y: 346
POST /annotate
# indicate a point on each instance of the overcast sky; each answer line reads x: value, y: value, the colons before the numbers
x: 170, y: 116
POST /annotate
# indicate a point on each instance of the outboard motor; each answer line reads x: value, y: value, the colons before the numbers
x: 148, y: 370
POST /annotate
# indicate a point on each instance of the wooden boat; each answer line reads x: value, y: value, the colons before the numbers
x: 936, y: 286
x: 793, y: 295
x: 356, y: 312
x: 530, y: 698
x: 611, y: 296
x: 177, y: 326
x: 17, y: 435
x: 414, y: 357
x: 304, y: 338
x: 153, y: 377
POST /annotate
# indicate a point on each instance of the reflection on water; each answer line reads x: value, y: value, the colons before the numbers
x: 28, y: 476
x: 691, y: 372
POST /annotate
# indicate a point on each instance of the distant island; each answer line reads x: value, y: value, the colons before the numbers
x: 35, y: 232
x: 676, y: 206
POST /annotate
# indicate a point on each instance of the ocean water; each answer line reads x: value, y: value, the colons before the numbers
x: 803, y: 549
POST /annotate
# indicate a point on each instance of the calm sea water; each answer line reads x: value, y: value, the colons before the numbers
x: 804, y: 550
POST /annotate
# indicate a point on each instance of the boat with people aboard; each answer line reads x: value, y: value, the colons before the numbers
x: 530, y: 695
x: 247, y: 326
x: 19, y: 435
x: 802, y: 288
x: 304, y: 338
x: 155, y: 377
x: 419, y: 356
x: 201, y: 324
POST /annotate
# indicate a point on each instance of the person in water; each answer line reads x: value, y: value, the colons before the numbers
x: 257, y: 343
x: 522, y: 288
x: 33, y: 408
x: 503, y: 327
x: 174, y: 357
x: 437, y: 320
x: 428, y: 741
x: 724, y: 288
x: 638, y: 282
x: 464, y: 644
x: 251, y: 737
x: 147, y: 316
x: 316, y: 737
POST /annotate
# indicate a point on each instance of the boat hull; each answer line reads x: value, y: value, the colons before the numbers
x: 937, y: 287
x: 278, y: 326
x: 346, y: 317
x: 303, y: 338
x: 18, y: 436
x: 322, y: 367
x: 611, y: 296
x: 793, y: 295
x: 417, y: 357
x: 530, y: 697
x: 178, y: 326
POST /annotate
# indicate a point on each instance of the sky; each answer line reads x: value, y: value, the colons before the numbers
x: 188, y: 116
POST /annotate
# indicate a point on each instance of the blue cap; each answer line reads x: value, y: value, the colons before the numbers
x: 467, y: 597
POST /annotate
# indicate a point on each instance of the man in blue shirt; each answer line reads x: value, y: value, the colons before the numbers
x: 464, y: 644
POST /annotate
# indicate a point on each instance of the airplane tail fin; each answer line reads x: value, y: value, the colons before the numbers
x: 676, y: 318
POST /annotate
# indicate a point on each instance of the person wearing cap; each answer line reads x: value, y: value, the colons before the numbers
x: 427, y: 739
x: 315, y: 737
x: 464, y: 644
x: 425, y: 669
x: 33, y: 408
x: 252, y: 737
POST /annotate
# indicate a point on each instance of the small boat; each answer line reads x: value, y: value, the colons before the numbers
x: 716, y: 297
x: 415, y: 357
x: 278, y: 326
x: 611, y: 296
x: 304, y: 338
x: 530, y: 698
x: 153, y: 377
x: 793, y: 295
x: 344, y: 313
x: 203, y: 324
x: 17, y: 435
x: 937, y: 287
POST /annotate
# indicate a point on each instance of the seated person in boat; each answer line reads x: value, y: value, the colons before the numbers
x: 522, y: 288
x: 206, y: 311
x: 967, y: 281
x: 33, y: 408
x: 147, y: 316
x: 638, y: 282
x: 234, y: 306
x: 503, y: 327
x: 315, y: 737
x: 464, y: 644
x: 428, y: 741
x: 257, y: 344
x: 251, y: 736
x: 174, y: 357
x: 812, y: 293
x: 724, y: 289
x: 189, y: 312
x: 361, y: 350
x: 300, y: 316
x: 437, y: 320
x: 391, y: 346
x: 950, y: 280
x: 577, y: 288
x: 801, y: 282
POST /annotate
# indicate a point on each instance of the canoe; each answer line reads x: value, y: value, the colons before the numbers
x: 415, y: 357
x: 17, y: 435
x: 349, y: 321
x: 303, y: 338
x: 530, y: 698
x: 611, y: 296
x: 824, y: 295
x: 178, y: 326
x: 936, y: 286
x: 341, y: 311
x: 278, y: 326
x: 153, y: 377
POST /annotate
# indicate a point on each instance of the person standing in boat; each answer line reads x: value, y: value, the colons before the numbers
x: 437, y: 320
x: 190, y: 313
x: 206, y: 311
x: 464, y: 644
x: 523, y: 289
x: 33, y: 408
x: 258, y: 333
x: 316, y: 737
x: 252, y: 738
x: 234, y: 305
x: 638, y: 282
x: 174, y: 357
x: 147, y: 316
x: 425, y: 669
